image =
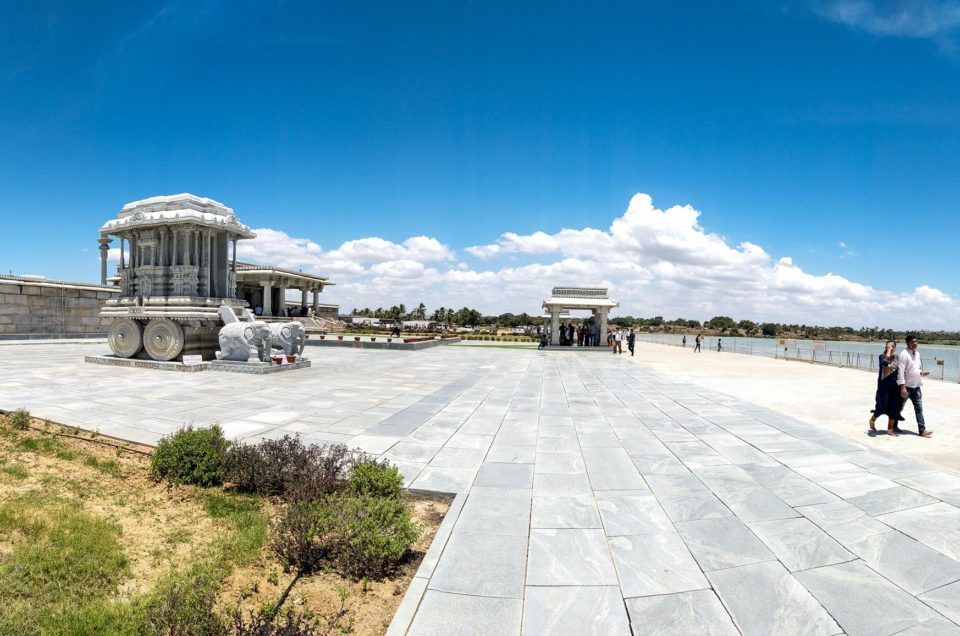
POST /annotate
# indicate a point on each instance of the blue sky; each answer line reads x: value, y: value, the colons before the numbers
x: 824, y: 132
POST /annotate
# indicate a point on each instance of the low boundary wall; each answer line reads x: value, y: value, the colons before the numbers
x: 37, y: 308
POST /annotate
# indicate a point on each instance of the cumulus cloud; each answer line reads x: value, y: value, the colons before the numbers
x: 654, y: 261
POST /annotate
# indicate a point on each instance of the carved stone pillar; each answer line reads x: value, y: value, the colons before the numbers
x: 104, y: 242
x: 267, y: 299
x: 554, y: 326
x: 316, y: 302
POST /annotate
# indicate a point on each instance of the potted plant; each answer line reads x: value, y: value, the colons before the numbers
x: 291, y: 359
x: 356, y: 338
x: 373, y: 339
x: 277, y: 359
x: 339, y: 337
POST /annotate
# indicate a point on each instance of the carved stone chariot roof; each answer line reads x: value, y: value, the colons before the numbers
x: 177, y: 209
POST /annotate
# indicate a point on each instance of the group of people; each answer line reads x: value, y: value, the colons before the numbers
x: 586, y: 335
x: 583, y: 335
x: 899, y: 379
x: 615, y: 340
x: 303, y: 312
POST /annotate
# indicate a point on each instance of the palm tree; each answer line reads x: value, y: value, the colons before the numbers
x: 420, y: 312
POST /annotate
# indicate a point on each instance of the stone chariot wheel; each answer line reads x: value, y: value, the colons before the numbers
x: 163, y: 339
x: 125, y: 337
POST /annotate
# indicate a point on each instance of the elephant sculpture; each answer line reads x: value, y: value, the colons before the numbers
x: 290, y: 337
x: 240, y: 340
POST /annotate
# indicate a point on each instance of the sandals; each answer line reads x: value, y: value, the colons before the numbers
x: 872, y: 423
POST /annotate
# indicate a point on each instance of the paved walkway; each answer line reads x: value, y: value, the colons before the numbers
x: 595, y: 496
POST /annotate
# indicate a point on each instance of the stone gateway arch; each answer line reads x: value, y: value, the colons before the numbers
x: 594, y: 299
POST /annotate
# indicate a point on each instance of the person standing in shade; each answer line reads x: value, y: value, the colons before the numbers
x: 684, y: 342
x: 696, y: 348
x: 910, y: 378
x: 631, y: 340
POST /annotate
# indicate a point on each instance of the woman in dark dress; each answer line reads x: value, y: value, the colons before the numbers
x: 888, y: 400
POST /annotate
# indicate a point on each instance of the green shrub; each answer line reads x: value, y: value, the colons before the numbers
x: 191, y: 456
x: 370, y: 535
x: 20, y: 419
x: 375, y: 479
x: 301, y: 536
x: 285, y: 624
x: 285, y: 467
x: 184, y: 606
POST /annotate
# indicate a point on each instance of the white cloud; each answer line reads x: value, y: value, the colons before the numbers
x: 654, y: 261
x: 932, y: 19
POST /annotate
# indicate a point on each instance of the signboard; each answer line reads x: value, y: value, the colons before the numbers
x: 191, y: 361
x: 782, y: 342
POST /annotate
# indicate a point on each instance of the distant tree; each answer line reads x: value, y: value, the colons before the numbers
x: 721, y: 323
x: 769, y: 329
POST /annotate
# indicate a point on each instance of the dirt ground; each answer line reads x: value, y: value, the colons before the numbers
x: 164, y: 526
x: 369, y: 605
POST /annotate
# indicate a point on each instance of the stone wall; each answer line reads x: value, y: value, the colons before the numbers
x: 39, y: 308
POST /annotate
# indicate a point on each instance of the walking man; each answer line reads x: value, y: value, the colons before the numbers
x: 696, y: 349
x: 631, y: 340
x: 617, y: 341
x: 684, y: 341
x: 910, y: 377
x: 718, y: 344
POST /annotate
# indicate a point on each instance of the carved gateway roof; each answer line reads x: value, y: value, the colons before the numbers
x: 579, y: 298
x: 177, y: 209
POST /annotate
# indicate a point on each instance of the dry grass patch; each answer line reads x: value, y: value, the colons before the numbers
x: 91, y: 543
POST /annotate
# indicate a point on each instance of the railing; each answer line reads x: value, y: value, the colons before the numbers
x: 810, y: 353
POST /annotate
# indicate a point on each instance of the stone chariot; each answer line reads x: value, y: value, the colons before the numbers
x: 176, y: 272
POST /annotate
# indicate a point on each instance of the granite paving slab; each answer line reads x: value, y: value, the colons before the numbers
x: 799, y: 544
x: 906, y: 562
x: 625, y: 512
x: 657, y: 563
x: 569, y: 557
x: 566, y: 511
x: 863, y: 601
x: 945, y: 600
x: 764, y: 599
x: 723, y: 542
x: 698, y: 612
x: 589, y: 490
x: 561, y: 611
x: 481, y: 565
x: 441, y: 613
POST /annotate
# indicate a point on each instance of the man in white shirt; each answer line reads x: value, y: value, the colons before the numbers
x: 910, y: 377
x: 617, y: 341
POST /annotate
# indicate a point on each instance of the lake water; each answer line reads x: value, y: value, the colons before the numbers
x: 942, y: 361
